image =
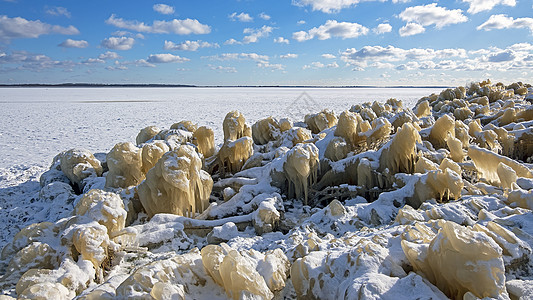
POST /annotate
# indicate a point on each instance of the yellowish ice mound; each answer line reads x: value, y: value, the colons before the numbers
x: 301, y: 168
x: 125, y: 166
x: 78, y: 164
x: 147, y: 134
x: 176, y: 184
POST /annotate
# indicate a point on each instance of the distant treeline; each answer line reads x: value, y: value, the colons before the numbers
x: 141, y: 85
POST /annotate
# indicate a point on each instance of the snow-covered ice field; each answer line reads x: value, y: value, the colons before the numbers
x: 38, y: 123
x: 426, y: 202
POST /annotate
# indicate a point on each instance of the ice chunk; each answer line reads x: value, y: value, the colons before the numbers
x: 176, y: 184
x: 78, y: 164
x: 125, y: 166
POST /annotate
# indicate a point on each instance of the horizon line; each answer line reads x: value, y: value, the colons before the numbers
x: 141, y: 85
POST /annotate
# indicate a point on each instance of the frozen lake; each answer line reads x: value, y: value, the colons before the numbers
x: 38, y: 123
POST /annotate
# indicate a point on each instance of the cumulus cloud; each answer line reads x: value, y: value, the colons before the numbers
x: 330, y: 29
x: 319, y: 65
x: 518, y: 56
x: 223, y: 69
x: 264, y: 16
x: 242, y: 17
x: 231, y: 42
x: 69, y: 43
x: 289, y: 55
x: 92, y: 61
x: 382, y: 28
x: 431, y: 14
x: 33, y: 62
x: 109, y: 55
x: 15, y: 28
x: 477, y: 6
x: 240, y: 56
x: 163, y: 9
x: 502, y: 56
x: 118, y: 43
x: 273, y: 67
x: 505, y: 22
x: 165, y: 58
x: 58, y: 11
x: 326, y: 6
x: 411, y: 29
x: 391, y: 53
x: 181, y: 27
x: 189, y: 45
x: 281, y: 40
x: 255, y: 34
x: 328, y: 56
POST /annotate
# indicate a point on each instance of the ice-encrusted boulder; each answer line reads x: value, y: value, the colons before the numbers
x: 235, y: 126
x: 147, y: 134
x: 78, y: 164
x: 301, y: 168
x: 247, y: 274
x: 125, y: 166
x: 320, y: 121
x: 176, y: 184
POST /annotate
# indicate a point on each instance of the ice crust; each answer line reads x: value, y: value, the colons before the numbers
x: 379, y: 202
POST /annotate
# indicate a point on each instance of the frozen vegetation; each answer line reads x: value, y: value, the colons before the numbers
x: 379, y: 201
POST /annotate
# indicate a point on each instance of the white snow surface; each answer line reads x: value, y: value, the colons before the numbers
x: 38, y: 123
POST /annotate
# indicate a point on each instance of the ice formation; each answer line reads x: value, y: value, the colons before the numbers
x: 301, y: 168
x: 125, y: 165
x: 176, y: 184
x: 377, y: 202
x: 147, y: 134
x: 320, y: 121
x: 78, y: 164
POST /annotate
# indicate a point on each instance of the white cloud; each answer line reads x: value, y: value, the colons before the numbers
x: 163, y: 9
x: 243, y: 17
x: 255, y: 34
x: 382, y: 28
x: 109, y: 55
x: 289, y: 55
x: 68, y: 43
x: 431, y: 14
x: 331, y: 28
x: 301, y: 22
x: 281, y: 40
x: 411, y: 29
x: 189, y: 45
x: 328, y: 56
x: 477, y: 6
x: 33, y: 62
x: 118, y: 43
x: 503, y: 56
x: 326, y: 6
x: 505, y: 22
x: 314, y: 65
x: 273, y: 67
x: 332, y: 65
x: 231, y: 42
x: 14, y: 28
x: 165, y: 58
x: 92, y: 61
x: 223, y: 69
x: 181, y: 27
x: 391, y: 53
x: 239, y: 56
x: 58, y: 11
x: 264, y: 16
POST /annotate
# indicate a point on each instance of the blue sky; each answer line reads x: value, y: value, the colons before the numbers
x: 258, y: 42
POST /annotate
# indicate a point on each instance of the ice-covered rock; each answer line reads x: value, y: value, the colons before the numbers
x: 176, y: 184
